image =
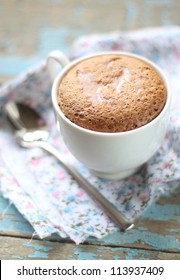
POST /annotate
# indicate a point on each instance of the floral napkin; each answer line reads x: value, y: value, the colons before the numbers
x: 36, y: 183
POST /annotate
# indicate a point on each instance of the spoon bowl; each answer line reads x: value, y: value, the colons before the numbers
x: 32, y: 131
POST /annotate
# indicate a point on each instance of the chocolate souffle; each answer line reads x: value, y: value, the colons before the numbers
x: 111, y: 93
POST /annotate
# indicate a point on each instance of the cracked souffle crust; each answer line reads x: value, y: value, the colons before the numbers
x: 111, y: 93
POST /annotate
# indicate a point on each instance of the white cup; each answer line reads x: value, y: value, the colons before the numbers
x: 109, y: 155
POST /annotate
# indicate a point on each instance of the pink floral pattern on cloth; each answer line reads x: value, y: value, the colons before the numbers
x: 38, y: 185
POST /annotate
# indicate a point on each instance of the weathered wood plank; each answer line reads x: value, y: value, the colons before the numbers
x: 53, y: 28
x: 85, y: 17
x: 158, y: 229
x: 20, y: 248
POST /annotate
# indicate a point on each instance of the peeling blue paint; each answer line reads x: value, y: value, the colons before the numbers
x: 133, y: 254
x: 163, y: 212
x: 84, y: 255
x: 15, y: 224
x: 12, y: 66
x: 38, y: 247
x: 40, y: 251
x: 152, y: 240
x: 12, y: 219
x: 17, y: 258
x: 115, y: 253
x: 173, y: 230
x: 51, y: 38
x: 38, y: 255
x: 99, y: 250
x: 116, y: 257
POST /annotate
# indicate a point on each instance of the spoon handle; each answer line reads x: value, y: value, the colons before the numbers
x: 109, y: 208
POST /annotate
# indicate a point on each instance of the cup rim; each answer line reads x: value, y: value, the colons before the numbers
x: 109, y: 134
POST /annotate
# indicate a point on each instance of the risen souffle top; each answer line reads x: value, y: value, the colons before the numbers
x: 111, y: 93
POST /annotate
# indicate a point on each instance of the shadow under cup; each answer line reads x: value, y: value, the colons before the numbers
x: 112, y: 155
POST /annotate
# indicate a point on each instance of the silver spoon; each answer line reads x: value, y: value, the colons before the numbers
x: 32, y: 131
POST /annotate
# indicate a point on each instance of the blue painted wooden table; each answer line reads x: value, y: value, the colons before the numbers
x: 28, y: 31
x: 156, y: 236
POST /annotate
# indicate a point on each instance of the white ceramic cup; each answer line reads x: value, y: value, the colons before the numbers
x: 109, y: 155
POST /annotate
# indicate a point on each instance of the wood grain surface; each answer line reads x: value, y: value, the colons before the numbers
x: 155, y: 236
x: 28, y: 31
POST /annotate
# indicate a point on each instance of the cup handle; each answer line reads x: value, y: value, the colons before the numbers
x: 56, y: 58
